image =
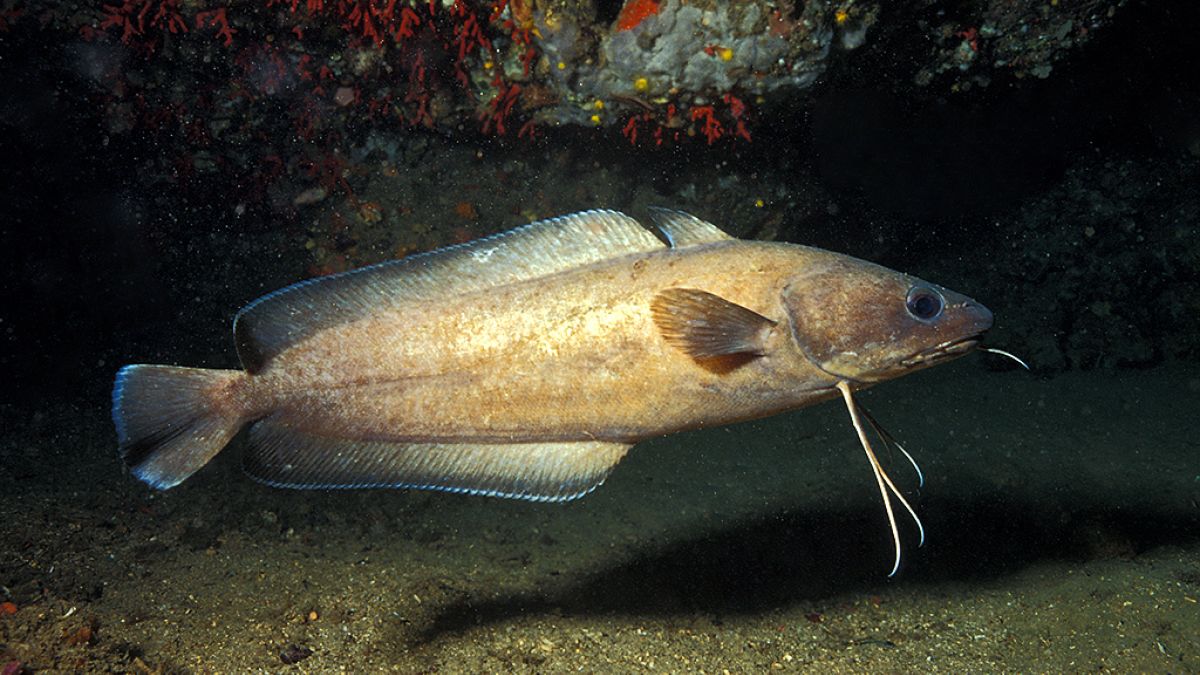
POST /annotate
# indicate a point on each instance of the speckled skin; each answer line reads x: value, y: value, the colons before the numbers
x: 577, y: 355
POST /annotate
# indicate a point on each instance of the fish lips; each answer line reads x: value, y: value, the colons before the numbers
x: 971, y: 322
x: 939, y: 353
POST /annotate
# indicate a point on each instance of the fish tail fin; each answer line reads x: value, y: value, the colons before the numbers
x: 172, y: 420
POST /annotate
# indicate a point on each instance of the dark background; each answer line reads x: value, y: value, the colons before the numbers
x: 103, y: 264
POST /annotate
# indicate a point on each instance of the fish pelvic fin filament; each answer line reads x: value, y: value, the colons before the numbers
x: 886, y: 487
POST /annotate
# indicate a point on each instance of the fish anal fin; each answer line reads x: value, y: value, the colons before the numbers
x: 719, y: 334
x: 284, y: 456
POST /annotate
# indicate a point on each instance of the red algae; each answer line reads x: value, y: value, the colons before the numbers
x: 634, y: 12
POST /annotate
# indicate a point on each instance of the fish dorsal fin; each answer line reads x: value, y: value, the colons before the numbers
x: 276, y: 321
x: 684, y: 229
x: 707, y: 326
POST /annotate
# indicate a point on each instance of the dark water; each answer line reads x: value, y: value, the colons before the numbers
x: 1061, y: 506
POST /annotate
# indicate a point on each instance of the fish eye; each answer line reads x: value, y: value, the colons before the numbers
x: 924, y: 303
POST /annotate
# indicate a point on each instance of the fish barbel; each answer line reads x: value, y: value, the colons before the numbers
x: 526, y: 364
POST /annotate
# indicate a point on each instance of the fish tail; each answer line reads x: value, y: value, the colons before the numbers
x: 172, y: 420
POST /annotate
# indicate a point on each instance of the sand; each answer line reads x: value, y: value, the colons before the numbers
x: 1061, y: 517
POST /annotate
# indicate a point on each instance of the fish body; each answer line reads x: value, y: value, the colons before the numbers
x: 572, y: 356
x: 526, y: 364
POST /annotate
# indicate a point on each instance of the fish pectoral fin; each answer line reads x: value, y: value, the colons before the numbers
x: 283, y: 456
x: 707, y: 326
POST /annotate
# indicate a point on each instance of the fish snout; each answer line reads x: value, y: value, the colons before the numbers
x: 963, y: 318
x: 978, y: 318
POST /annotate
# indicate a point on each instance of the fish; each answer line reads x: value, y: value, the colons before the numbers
x: 526, y: 364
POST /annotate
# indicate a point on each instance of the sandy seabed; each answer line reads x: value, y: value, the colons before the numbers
x: 1062, y: 536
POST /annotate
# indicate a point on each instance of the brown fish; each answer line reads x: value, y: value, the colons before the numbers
x: 526, y: 364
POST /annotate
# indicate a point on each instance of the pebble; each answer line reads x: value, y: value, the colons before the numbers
x: 294, y: 654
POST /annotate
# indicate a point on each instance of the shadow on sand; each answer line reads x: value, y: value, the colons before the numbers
x: 796, y: 557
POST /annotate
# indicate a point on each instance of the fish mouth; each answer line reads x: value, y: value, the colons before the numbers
x: 951, y: 349
x: 930, y: 356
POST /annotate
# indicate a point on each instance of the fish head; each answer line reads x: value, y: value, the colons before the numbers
x: 861, y: 322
